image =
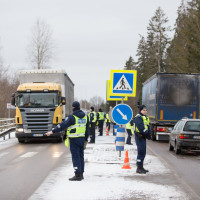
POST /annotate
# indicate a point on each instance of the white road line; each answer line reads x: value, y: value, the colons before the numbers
x: 4, y: 154
x: 28, y: 154
x: 57, y: 154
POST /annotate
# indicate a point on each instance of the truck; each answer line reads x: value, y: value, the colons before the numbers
x: 43, y: 100
x: 170, y: 97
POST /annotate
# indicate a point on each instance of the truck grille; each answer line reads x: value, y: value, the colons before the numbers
x: 37, y: 122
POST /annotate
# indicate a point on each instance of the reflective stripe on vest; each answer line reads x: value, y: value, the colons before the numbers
x: 79, y: 126
x: 95, y: 116
x: 145, y: 122
x: 107, y: 118
x: 101, y: 115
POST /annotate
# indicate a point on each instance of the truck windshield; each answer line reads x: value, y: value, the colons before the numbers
x: 37, y: 100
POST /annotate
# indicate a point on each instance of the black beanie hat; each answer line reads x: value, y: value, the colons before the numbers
x: 100, y: 110
x: 92, y: 108
x: 142, y: 107
x: 76, y: 104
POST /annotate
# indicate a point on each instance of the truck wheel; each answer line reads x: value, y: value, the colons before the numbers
x: 20, y: 140
x: 60, y: 140
x: 171, y: 148
x: 177, y: 150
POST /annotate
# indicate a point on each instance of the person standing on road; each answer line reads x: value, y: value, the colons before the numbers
x: 129, y: 129
x: 92, y: 120
x: 77, y: 132
x: 108, y: 121
x: 100, y: 118
x: 142, y: 131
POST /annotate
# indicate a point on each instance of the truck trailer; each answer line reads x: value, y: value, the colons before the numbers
x: 43, y: 99
x: 170, y: 97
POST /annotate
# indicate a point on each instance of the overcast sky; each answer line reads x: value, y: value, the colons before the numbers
x: 91, y: 36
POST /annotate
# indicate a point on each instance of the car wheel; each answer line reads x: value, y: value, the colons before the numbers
x: 171, y: 148
x: 21, y: 140
x: 177, y: 150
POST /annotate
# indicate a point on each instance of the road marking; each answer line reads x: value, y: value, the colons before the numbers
x: 57, y: 154
x: 3, y: 154
x: 28, y: 154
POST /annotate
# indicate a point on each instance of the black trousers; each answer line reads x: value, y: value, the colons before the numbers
x: 101, y: 127
x: 92, y: 131
x: 128, y: 141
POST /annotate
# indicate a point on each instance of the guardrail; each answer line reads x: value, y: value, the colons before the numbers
x: 7, y: 125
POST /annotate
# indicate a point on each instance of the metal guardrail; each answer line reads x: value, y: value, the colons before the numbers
x: 7, y: 125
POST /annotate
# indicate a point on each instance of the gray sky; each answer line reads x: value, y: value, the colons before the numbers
x: 91, y: 36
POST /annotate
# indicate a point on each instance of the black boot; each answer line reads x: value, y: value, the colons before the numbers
x: 82, y: 176
x: 77, y: 177
x: 145, y: 169
x: 140, y: 170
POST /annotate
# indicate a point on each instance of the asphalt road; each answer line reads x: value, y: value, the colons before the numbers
x: 185, y: 166
x: 25, y: 165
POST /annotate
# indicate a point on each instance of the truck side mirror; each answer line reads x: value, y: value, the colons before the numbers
x: 63, y: 100
x: 13, y: 99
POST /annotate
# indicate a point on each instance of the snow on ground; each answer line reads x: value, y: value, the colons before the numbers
x: 8, y: 142
x: 104, y: 178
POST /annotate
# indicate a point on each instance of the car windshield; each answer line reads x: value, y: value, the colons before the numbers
x: 192, y: 126
x: 38, y: 99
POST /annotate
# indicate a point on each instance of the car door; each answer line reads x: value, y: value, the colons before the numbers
x: 173, y: 134
x: 179, y: 130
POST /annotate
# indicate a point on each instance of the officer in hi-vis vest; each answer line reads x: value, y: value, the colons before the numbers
x: 142, y: 131
x: 107, y: 120
x: 129, y: 129
x: 100, y: 118
x: 92, y: 120
x: 77, y: 135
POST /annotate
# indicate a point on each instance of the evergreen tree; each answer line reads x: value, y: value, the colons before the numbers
x: 157, y: 42
x: 130, y: 64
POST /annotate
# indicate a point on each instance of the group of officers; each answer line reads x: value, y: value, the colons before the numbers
x: 80, y: 126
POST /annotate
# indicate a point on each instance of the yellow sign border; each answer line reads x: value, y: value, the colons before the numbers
x: 108, y: 93
x: 134, y: 72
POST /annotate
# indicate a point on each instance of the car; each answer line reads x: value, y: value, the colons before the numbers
x: 185, y: 136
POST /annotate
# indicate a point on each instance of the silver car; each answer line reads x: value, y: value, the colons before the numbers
x: 185, y: 136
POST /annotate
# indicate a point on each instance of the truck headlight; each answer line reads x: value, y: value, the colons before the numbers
x: 19, y: 129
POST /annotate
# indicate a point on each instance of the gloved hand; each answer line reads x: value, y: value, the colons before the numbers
x: 85, y: 144
x: 148, y: 136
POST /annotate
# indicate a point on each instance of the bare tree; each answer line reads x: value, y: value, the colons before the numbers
x: 97, y: 102
x: 41, y: 47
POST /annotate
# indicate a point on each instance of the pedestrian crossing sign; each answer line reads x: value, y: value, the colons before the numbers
x: 113, y: 98
x: 123, y: 83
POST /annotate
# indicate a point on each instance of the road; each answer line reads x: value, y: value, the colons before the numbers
x: 185, y: 166
x: 27, y: 164
x: 23, y: 167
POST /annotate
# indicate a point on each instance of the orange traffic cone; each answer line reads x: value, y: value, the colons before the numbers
x: 107, y: 131
x: 126, y: 162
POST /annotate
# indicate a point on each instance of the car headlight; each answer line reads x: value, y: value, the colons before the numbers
x: 19, y: 129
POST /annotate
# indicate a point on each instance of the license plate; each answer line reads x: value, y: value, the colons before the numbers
x: 197, y: 137
x: 38, y: 135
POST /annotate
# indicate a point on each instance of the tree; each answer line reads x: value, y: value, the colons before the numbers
x: 157, y: 41
x: 97, y: 102
x: 130, y: 64
x: 41, y: 47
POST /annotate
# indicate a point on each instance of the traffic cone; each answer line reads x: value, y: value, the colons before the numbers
x: 126, y: 162
x: 107, y: 131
